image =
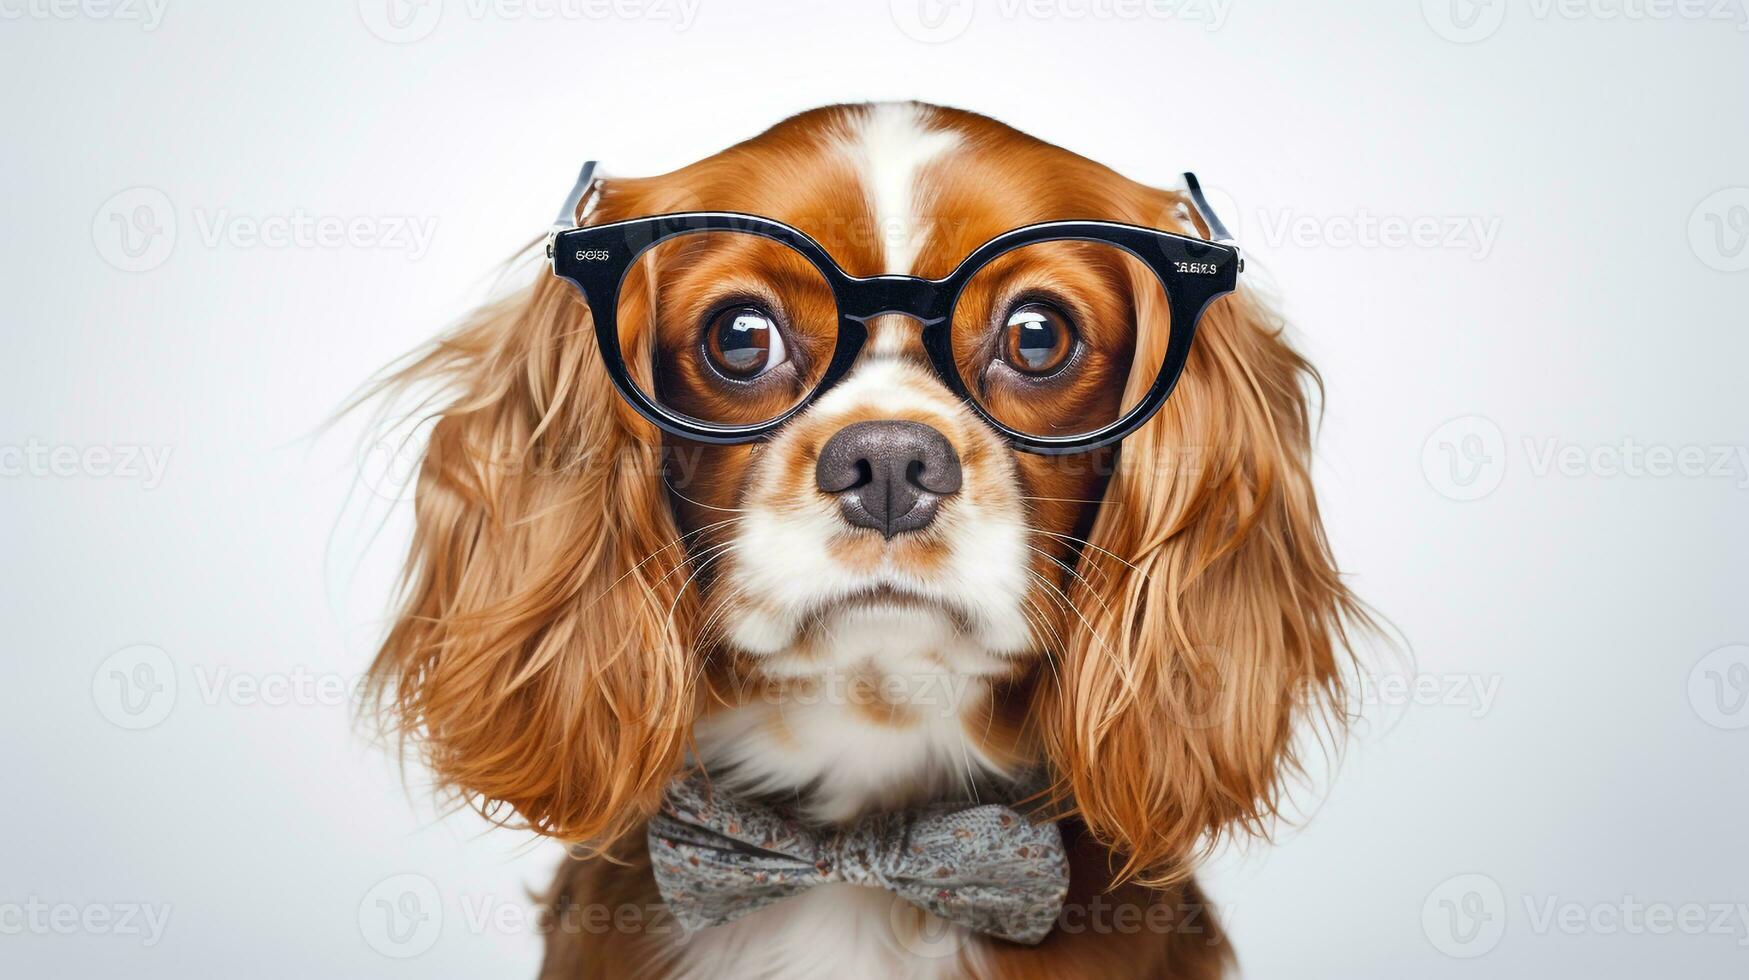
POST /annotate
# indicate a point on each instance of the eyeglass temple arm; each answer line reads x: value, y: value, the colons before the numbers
x: 1217, y: 231
x: 567, y: 218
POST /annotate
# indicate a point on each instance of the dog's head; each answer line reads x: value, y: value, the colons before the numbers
x: 1147, y: 620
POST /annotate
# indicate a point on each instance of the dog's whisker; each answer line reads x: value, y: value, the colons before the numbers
x: 724, y: 606
x: 681, y: 540
x: 714, y: 554
x: 680, y: 594
x: 1035, y: 616
x: 1090, y: 561
x: 966, y: 760
x: 705, y: 642
x: 1065, y: 566
x: 1076, y: 576
x: 699, y: 668
x: 1043, y: 633
x: 1088, y: 544
x: 709, y: 552
x: 1054, y: 595
x: 1124, y: 668
x: 700, y: 503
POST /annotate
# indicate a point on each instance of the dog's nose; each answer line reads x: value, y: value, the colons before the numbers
x: 889, y: 475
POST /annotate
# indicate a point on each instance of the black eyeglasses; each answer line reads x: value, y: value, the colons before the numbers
x: 1065, y: 336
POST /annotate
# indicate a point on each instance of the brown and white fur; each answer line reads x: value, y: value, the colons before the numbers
x: 592, y: 606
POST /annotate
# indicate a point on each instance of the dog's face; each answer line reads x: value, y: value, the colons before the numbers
x: 887, y: 503
x: 1145, y: 621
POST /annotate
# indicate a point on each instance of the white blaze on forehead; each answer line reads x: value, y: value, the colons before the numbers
x: 891, y: 143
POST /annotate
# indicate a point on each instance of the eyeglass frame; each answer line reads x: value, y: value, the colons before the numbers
x: 595, y: 258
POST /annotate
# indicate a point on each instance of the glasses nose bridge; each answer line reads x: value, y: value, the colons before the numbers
x: 907, y: 296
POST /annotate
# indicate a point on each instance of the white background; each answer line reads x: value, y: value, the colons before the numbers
x: 1600, y: 316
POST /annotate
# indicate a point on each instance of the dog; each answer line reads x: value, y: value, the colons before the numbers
x: 880, y: 607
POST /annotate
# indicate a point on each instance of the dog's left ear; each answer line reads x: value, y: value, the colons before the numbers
x: 1212, y: 616
x: 542, y: 659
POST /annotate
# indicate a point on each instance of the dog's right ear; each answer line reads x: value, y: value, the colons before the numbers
x: 1221, y: 623
x: 541, y: 659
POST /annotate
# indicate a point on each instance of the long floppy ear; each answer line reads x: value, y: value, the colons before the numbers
x: 1214, y: 616
x: 540, y: 660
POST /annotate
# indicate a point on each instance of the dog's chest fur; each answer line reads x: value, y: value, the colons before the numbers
x: 882, y: 724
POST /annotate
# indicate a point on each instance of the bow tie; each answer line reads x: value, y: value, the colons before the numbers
x: 985, y: 867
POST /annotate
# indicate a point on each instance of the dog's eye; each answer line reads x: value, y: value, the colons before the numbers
x: 744, y: 342
x: 1037, y: 339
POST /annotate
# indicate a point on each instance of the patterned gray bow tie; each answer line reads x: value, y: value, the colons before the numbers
x: 717, y: 858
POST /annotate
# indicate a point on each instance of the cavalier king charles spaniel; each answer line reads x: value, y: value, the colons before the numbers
x: 723, y: 600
